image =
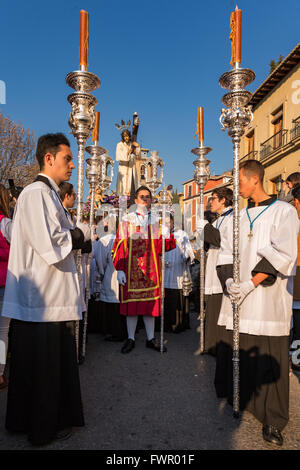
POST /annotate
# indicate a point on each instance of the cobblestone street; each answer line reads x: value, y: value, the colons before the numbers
x: 146, y: 401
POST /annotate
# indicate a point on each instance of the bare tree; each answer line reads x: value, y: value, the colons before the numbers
x: 17, y: 158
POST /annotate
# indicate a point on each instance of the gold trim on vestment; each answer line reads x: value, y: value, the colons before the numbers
x: 136, y: 300
x: 155, y: 262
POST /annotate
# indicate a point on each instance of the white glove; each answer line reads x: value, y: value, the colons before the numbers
x: 238, y: 292
x: 165, y: 231
x: 85, y: 228
x: 121, y: 276
x: 200, y: 224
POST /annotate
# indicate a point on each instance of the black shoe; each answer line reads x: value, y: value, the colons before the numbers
x: 154, y: 344
x: 272, y: 434
x: 128, y: 346
x: 64, y: 434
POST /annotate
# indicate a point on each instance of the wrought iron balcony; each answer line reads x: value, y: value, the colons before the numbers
x: 273, y: 143
x: 295, y: 131
x: 250, y: 156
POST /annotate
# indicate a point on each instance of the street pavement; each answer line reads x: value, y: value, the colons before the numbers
x: 151, y: 401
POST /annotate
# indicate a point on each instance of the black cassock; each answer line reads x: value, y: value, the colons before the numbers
x: 44, y: 390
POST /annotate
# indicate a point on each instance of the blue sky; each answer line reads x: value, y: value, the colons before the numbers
x: 162, y: 59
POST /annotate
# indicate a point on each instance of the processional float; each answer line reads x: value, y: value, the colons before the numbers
x: 235, y: 119
x: 82, y: 118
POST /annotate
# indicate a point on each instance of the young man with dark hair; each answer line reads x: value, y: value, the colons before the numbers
x: 136, y: 256
x: 221, y: 204
x: 42, y: 298
x: 268, y: 253
x: 292, y: 181
x: 296, y: 296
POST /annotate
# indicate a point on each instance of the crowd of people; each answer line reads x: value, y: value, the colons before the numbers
x: 44, y: 299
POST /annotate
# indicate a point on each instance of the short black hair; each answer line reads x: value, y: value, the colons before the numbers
x: 253, y: 167
x: 296, y: 192
x: 225, y: 193
x: 294, y: 178
x: 65, y: 188
x: 142, y: 188
x: 49, y: 143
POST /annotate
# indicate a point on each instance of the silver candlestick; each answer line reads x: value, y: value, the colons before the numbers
x: 164, y: 200
x: 92, y: 175
x: 105, y: 178
x: 82, y: 119
x: 153, y: 181
x: 235, y: 119
x: 201, y: 176
x: 81, y: 122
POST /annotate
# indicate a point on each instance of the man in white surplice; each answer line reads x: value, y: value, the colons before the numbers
x: 43, y: 298
x: 268, y: 253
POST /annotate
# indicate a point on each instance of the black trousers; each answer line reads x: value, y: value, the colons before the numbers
x: 44, y: 390
x: 264, y: 375
x: 212, y: 310
x: 176, y: 310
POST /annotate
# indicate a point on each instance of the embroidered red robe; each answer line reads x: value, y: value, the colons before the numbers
x: 137, y: 253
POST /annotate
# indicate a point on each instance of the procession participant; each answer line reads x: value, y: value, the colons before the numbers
x: 43, y: 299
x: 176, y: 304
x: 268, y: 252
x: 136, y: 256
x: 5, y: 237
x: 126, y: 152
x: 220, y: 203
x: 296, y: 297
x: 114, y: 323
x: 68, y: 197
x: 292, y: 181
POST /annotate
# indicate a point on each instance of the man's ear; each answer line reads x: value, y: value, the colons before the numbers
x: 48, y: 159
x: 256, y: 179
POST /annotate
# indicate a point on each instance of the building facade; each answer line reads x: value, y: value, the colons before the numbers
x: 273, y: 136
x: 191, y: 198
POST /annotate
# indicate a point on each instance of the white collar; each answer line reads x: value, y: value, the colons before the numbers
x: 53, y: 184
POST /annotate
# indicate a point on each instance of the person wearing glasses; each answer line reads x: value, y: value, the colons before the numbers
x: 268, y: 254
x: 292, y: 181
x: 221, y: 204
x: 136, y: 257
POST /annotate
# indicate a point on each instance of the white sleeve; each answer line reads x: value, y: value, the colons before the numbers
x: 281, y: 252
x: 42, y: 228
x: 121, y: 153
x: 85, y: 228
x: 99, y: 258
x: 225, y: 255
x: 6, y: 228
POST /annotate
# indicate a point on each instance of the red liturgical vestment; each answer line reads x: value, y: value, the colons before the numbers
x: 136, y: 251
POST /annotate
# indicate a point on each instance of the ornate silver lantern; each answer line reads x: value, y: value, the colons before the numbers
x: 154, y: 172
